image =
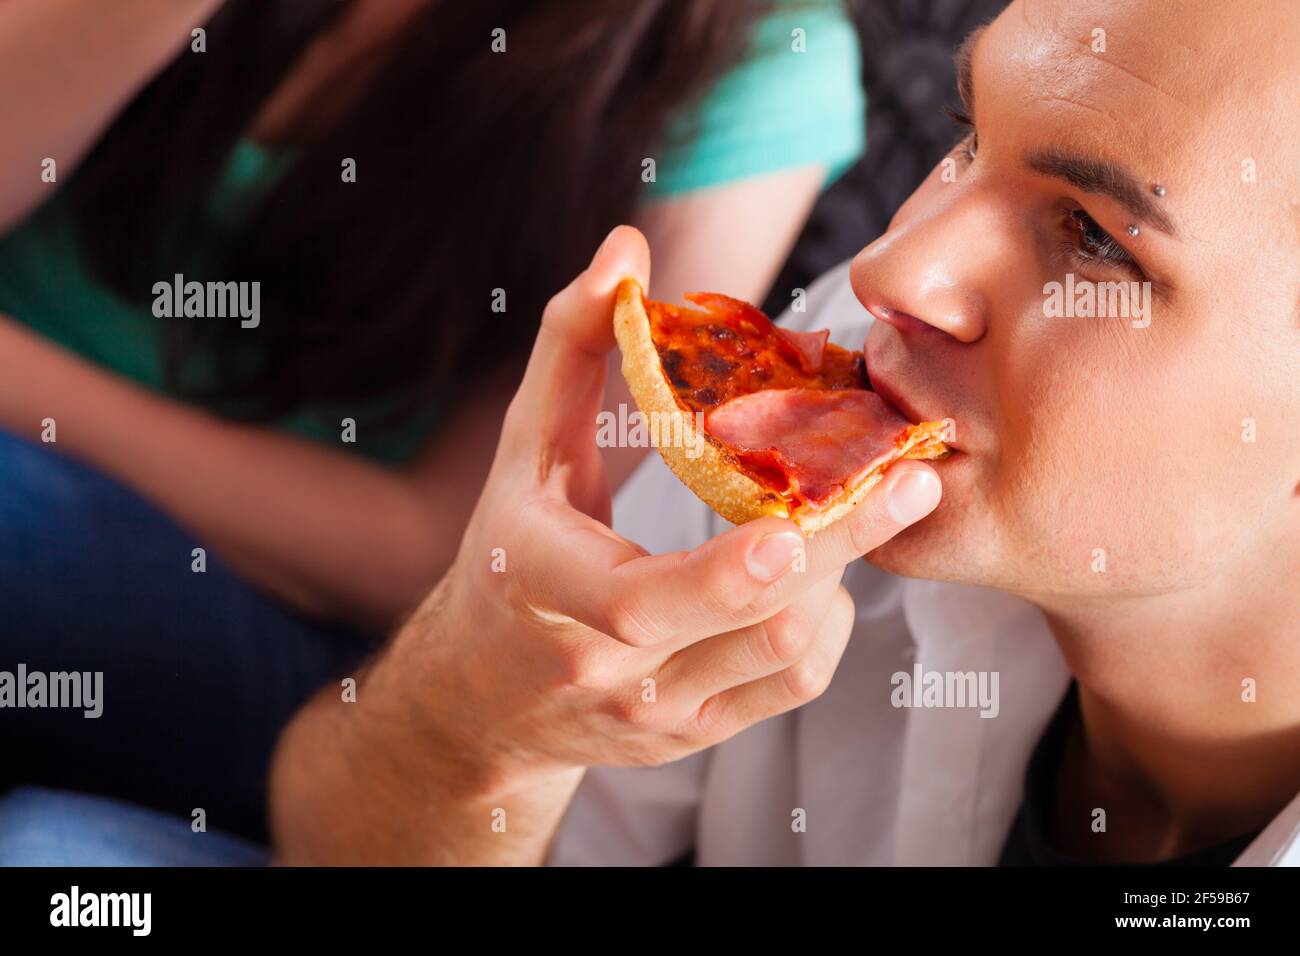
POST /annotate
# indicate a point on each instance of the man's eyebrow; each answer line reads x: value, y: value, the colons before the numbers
x: 962, y: 61
x: 1104, y: 178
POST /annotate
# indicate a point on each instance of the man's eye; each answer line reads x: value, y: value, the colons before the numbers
x: 1096, y: 243
x: 969, y: 142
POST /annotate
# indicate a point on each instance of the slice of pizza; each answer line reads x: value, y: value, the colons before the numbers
x: 755, y: 419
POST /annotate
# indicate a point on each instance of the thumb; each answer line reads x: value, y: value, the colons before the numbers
x: 562, y: 387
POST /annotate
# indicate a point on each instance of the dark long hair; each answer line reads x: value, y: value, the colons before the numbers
x: 476, y: 171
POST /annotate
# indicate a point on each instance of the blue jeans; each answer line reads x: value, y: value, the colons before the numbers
x: 200, y: 671
x: 52, y: 828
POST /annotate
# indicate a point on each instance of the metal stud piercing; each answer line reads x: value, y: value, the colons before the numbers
x: 1132, y: 230
x: 1158, y: 190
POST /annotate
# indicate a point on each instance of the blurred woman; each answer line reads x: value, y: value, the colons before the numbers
x: 211, y: 509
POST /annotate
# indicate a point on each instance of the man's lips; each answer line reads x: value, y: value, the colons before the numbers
x: 883, y: 386
x: 883, y: 366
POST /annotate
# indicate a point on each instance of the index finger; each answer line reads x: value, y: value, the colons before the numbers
x: 560, y: 394
x: 909, y: 491
x: 732, y: 581
x: 753, y: 571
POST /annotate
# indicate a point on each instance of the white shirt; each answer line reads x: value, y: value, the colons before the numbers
x: 850, y: 778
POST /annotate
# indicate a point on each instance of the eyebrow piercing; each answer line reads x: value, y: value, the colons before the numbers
x: 1132, y: 230
x: 1158, y: 189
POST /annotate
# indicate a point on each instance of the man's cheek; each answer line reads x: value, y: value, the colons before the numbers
x: 1058, y: 494
x: 1105, y: 511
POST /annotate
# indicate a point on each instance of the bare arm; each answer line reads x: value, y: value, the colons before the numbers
x: 363, y: 784
x: 731, y: 238
x: 331, y: 534
x: 67, y: 68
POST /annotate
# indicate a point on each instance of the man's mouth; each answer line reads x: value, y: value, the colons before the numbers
x: 896, y: 397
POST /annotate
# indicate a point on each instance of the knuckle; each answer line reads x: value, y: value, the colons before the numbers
x: 722, y: 593
x: 628, y: 623
x: 843, y: 610
x: 864, y: 528
x: 807, y: 679
x: 783, y: 641
x: 709, y: 720
x: 591, y: 672
x: 630, y: 711
x: 576, y: 666
x: 555, y: 307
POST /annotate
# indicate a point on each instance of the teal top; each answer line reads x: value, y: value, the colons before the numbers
x: 794, y: 100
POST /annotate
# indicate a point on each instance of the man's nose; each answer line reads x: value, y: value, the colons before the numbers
x: 935, y: 268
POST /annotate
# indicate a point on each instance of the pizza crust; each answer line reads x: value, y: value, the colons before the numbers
x: 712, y: 474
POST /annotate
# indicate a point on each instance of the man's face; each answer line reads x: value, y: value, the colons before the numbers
x: 1144, y: 452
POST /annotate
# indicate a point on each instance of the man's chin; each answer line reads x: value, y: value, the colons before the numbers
x: 918, y: 552
x: 941, y: 547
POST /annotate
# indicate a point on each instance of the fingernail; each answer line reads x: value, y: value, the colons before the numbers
x: 913, y: 496
x: 773, y: 555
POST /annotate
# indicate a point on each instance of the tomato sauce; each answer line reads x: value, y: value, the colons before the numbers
x: 726, y: 348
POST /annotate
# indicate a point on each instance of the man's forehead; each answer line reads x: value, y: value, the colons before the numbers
x: 1152, y: 84
x: 1204, y: 61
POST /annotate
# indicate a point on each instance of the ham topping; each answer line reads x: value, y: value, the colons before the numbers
x: 809, y: 444
x: 811, y: 346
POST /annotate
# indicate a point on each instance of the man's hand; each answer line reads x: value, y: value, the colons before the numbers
x: 533, y: 658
